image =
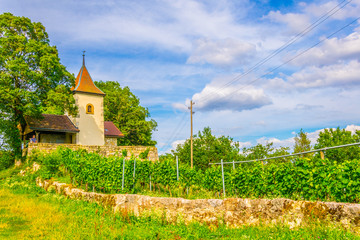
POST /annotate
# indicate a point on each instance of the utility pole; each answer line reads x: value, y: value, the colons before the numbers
x: 191, y: 136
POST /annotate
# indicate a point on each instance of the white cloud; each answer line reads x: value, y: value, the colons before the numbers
x: 295, y: 21
x: 236, y: 98
x: 337, y: 75
x: 225, y: 52
x: 244, y: 144
x: 289, y: 142
x: 277, y: 143
x: 350, y: 10
x: 331, y: 51
x: 352, y: 128
x: 176, y: 143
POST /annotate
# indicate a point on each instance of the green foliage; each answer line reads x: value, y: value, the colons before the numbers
x: 208, y: 149
x: 29, y: 69
x: 6, y: 159
x: 59, y: 100
x: 124, y: 153
x: 302, y: 143
x: 144, y: 154
x: 261, y: 151
x: 67, y: 218
x: 331, y: 137
x: 302, y: 178
x: 123, y: 108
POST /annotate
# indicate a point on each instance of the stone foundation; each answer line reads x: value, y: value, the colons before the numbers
x: 233, y: 212
x: 102, y: 150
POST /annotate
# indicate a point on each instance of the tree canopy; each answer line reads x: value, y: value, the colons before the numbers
x: 30, y: 75
x: 335, y: 137
x: 123, y: 108
x: 302, y: 143
x: 208, y: 149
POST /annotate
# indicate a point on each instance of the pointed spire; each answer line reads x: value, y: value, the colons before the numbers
x: 83, y: 58
x: 84, y: 82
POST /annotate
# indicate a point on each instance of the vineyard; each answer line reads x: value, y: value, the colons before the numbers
x: 298, y: 179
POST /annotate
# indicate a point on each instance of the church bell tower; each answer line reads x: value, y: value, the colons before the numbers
x: 90, y: 119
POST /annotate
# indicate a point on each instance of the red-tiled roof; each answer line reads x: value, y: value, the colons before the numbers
x: 84, y: 83
x: 52, y: 123
x: 111, y: 130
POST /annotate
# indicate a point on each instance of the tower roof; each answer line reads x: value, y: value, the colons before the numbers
x: 84, y: 82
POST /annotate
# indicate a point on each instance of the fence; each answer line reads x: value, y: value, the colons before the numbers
x: 288, y: 179
x: 276, y: 157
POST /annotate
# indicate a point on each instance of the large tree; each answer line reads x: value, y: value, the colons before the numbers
x: 123, y: 108
x: 208, y: 149
x: 335, y: 137
x: 30, y: 70
x: 302, y: 142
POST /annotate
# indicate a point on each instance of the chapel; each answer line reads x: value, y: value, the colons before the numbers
x: 87, y: 128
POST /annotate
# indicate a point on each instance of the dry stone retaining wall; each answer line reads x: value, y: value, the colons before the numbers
x: 103, y: 150
x: 233, y: 212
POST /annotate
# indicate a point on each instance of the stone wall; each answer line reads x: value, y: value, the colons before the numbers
x: 233, y: 212
x: 103, y: 150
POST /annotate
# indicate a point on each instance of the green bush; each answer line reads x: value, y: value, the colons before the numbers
x: 7, y: 159
x: 302, y: 178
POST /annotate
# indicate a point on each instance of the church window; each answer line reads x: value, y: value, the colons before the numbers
x: 89, y: 109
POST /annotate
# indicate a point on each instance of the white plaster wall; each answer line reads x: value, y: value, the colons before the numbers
x: 91, y: 126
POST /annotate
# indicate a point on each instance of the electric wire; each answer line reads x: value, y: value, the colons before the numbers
x: 176, y: 131
x: 289, y: 60
x: 323, y: 18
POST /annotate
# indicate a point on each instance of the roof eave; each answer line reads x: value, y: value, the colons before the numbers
x: 54, y: 130
x: 114, y: 136
x: 101, y: 94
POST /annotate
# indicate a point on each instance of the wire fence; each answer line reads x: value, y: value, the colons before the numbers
x: 222, y: 163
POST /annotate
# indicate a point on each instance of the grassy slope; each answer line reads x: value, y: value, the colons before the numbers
x: 28, y: 212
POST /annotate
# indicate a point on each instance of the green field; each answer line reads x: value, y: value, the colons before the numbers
x: 29, y: 212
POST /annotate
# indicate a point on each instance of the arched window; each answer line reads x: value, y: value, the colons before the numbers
x: 89, y: 109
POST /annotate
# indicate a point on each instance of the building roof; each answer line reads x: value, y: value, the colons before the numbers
x: 84, y: 83
x: 52, y: 123
x: 111, y: 130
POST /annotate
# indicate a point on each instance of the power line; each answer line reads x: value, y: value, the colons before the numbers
x: 291, y: 59
x: 176, y: 131
x: 323, y: 18
x: 289, y: 155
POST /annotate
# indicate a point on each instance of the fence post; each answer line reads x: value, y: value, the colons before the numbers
x: 150, y: 182
x: 222, y: 173
x: 150, y: 178
x: 234, y: 164
x: 177, y: 168
x: 134, y: 173
x: 123, y: 175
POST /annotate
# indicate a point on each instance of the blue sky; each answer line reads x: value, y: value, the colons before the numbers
x: 169, y: 52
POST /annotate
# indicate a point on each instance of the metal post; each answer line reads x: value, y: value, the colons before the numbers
x: 134, y: 173
x: 234, y: 164
x: 177, y: 168
x: 123, y: 175
x: 150, y: 182
x: 223, y: 180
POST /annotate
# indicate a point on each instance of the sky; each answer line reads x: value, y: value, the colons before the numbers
x: 258, y: 71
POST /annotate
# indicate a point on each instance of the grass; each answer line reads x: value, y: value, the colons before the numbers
x: 28, y: 212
